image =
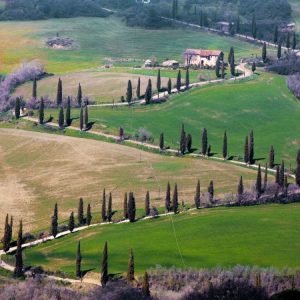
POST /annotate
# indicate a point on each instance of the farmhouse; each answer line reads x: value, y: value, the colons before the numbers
x: 202, y: 58
x: 170, y: 64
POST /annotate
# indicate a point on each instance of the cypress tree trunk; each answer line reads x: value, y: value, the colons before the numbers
x: 59, y: 95
x: 103, y: 212
x: 129, y: 92
x: 7, y: 236
x: 251, y: 148
x: 182, y: 140
x: 187, y: 79
x: 258, y: 183
x: 197, y: 195
x: 146, y: 285
x: 161, y: 141
x: 80, y: 212
x: 81, y: 121
x: 61, y: 118
x: 204, y: 142
x: 189, y: 143
x: 175, y: 200
x: 41, y: 111
x: 169, y: 86
x: 158, y: 83
x: 178, y: 82
x: 54, y: 222
x: 109, y: 208
x: 104, y: 266
x: 138, y: 89
x: 88, y: 215
x: 240, y: 190
x: 130, y: 269
x: 78, y: 261
x: 34, y: 89
x: 71, y: 225
x: 18, y: 108
x: 225, y: 145
x: 168, y: 198
x: 147, y: 204
x: 125, y: 207
x: 131, y: 207
x: 68, y: 112
x: 18, y: 272
x: 79, y: 95
x: 210, y: 191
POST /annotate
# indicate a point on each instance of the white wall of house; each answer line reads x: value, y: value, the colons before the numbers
x: 198, y: 60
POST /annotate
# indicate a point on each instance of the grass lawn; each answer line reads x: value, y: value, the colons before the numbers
x: 39, y: 169
x: 102, y: 40
x: 296, y: 12
x: 259, y: 235
x: 264, y: 105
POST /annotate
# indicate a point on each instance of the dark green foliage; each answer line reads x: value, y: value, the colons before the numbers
x: 232, y: 65
x: 218, y: 67
x: 34, y: 88
x: 42, y: 111
x: 281, y: 174
x: 78, y: 261
x: 103, y: 211
x: 131, y: 207
x: 138, y: 89
x: 109, y: 208
x: 146, y: 285
x: 80, y: 212
x: 264, y: 52
x: 147, y: 204
x: 61, y: 118
x: 253, y: 27
x: 253, y: 67
x: 71, y: 224
x: 240, y: 189
x: 197, y: 198
x: 182, y: 140
x: 59, y: 96
x: 187, y: 79
x: 54, y: 221
x: 211, y: 191
x: 130, y: 269
x: 189, y: 143
x: 148, y: 94
x: 18, y: 272
x: 175, y: 199
x: 79, y: 95
x: 272, y: 158
x: 18, y: 108
x: 86, y: 116
x: 294, y: 43
x: 178, y: 81
x: 231, y: 29
x: 298, y: 169
x: 161, y: 142
x: 168, y: 198
x: 275, y: 40
x: 223, y: 70
x: 251, y: 148
x: 81, y: 121
x: 88, y: 215
x: 225, y: 146
x: 277, y: 176
x: 169, y: 86
x: 104, y: 266
x: 246, y: 151
x: 125, y: 207
x: 68, y: 112
x: 129, y: 92
x: 258, y: 182
x: 288, y: 41
x: 279, y: 50
x: 158, y: 83
x: 7, y: 235
x: 285, y: 185
x: 230, y: 54
x: 204, y: 141
x: 266, y: 178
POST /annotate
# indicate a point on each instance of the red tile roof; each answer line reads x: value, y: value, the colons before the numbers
x: 203, y: 53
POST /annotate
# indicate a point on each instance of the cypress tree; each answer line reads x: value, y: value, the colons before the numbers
x: 125, y: 207
x: 281, y: 174
x: 138, y: 89
x: 148, y: 94
x: 218, y: 66
x: 204, y: 141
x: 253, y: 67
x: 18, y: 272
x: 288, y: 41
x: 59, y: 96
x: 209, y: 150
x: 109, y: 208
x: 61, y: 118
x: 258, y: 183
x: 7, y: 236
x: 178, y: 82
x: 294, y: 43
x: 169, y: 86
x: 211, y: 191
x: 187, y: 79
x: 161, y: 142
x: 86, y: 116
x: 34, y: 89
x: 266, y: 178
x: 182, y: 140
x: 71, y: 225
x: 275, y: 35
x: 240, y: 190
x: 79, y: 95
x: 277, y: 176
x: 68, y: 112
x: 81, y: 121
x: 251, y: 148
x: 78, y: 261
x: 189, y: 143
x: 223, y: 70
x: 88, y: 215
x: 104, y: 266
x: 158, y: 83
x: 279, y: 50
x: 168, y: 198
x: 18, y: 108
x: 146, y: 285
x: 285, y: 185
x: 272, y: 157
x: 246, y: 151
x: 253, y: 27
x: 80, y: 212
x: 41, y: 111
x: 103, y: 211
x: 130, y: 269
x: 231, y: 52
x: 225, y: 146
x: 298, y: 169
x: 131, y: 207
x: 264, y: 52
x: 147, y: 204
x: 197, y: 196
x: 175, y: 199
x: 129, y: 92
x: 232, y: 65
x: 54, y: 222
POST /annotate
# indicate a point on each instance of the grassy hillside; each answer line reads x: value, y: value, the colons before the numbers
x: 206, y: 238
x: 38, y: 170
x: 296, y: 12
x: 99, y: 40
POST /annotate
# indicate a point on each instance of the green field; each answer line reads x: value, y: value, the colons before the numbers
x: 261, y: 235
x: 264, y: 104
x: 296, y: 12
x: 99, y: 41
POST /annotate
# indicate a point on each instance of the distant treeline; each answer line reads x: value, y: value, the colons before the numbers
x: 44, y: 9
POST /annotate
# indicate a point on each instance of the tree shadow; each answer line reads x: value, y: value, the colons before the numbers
x: 193, y: 150
x: 232, y: 157
x: 89, y: 126
x: 212, y: 154
x: 84, y: 272
x: 50, y: 119
x: 259, y: 159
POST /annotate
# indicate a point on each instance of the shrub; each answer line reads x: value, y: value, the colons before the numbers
x: 144, y: 136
